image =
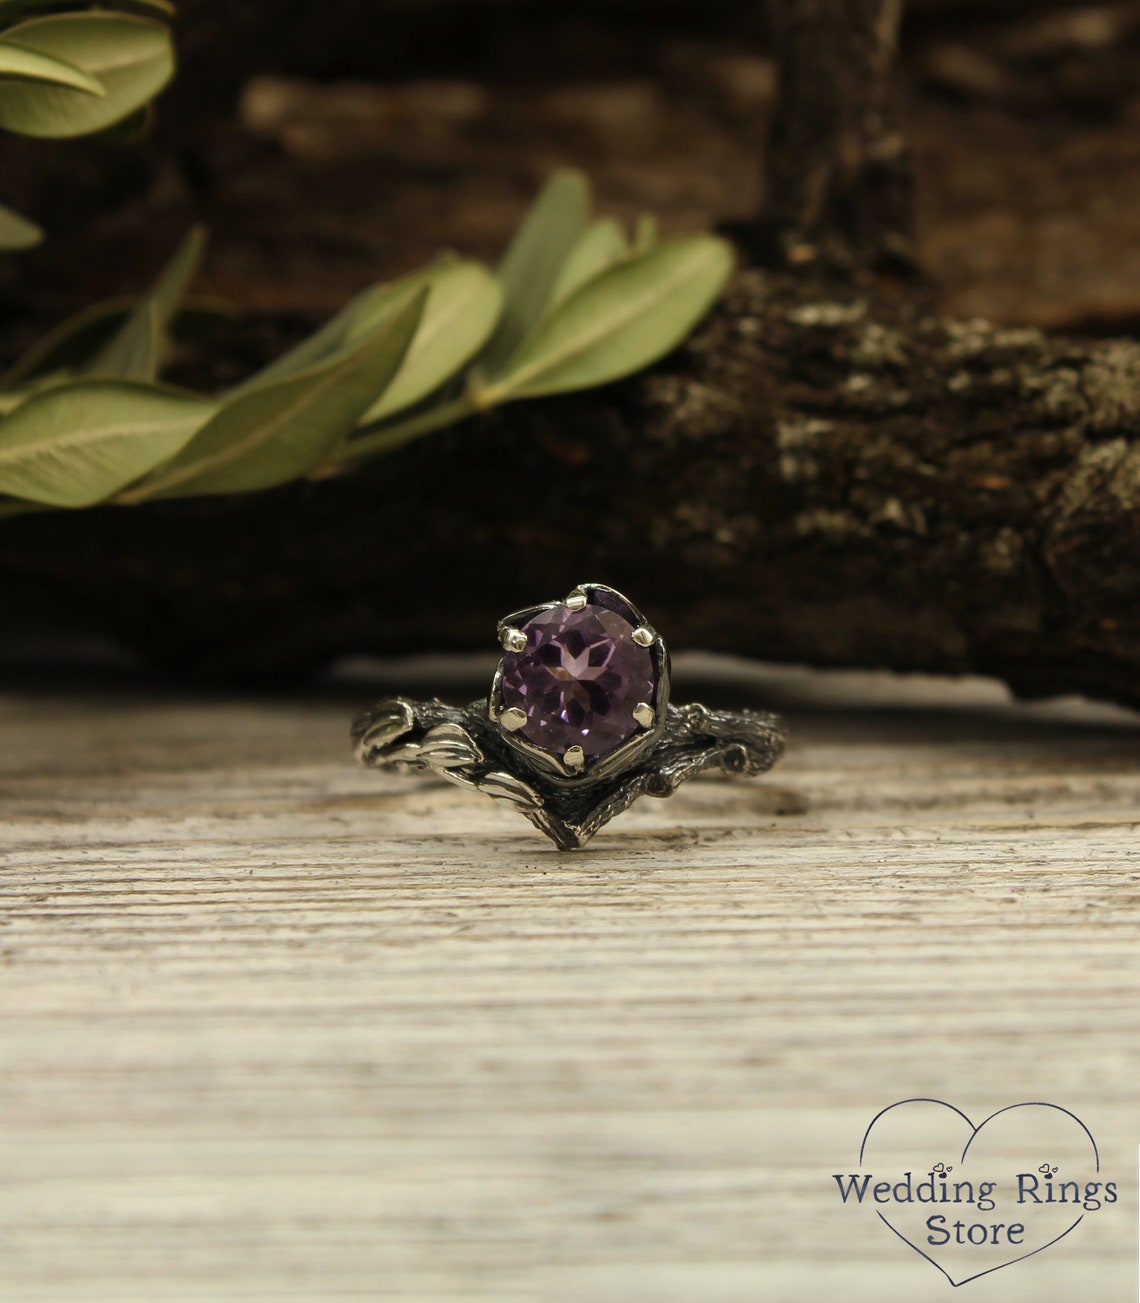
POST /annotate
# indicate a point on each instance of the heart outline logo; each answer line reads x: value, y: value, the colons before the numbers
x: 975, y: 1131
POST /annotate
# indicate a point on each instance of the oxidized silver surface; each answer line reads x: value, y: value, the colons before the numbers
x: 474, y: 747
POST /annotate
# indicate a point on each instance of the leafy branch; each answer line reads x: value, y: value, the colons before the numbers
x: 76, y: 73
x: 86, y: 419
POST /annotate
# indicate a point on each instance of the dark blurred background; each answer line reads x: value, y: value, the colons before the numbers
x: 328, y: 144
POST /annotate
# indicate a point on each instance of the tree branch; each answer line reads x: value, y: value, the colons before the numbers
x: 838, y: 480
x: 839, y: 184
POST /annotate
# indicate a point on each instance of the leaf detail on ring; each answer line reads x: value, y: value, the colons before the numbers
x: 390, y: 720
x: 506, y: 787
x: 449, y: 746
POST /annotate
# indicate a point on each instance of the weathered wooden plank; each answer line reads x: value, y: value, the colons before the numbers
x: 272, y: 1027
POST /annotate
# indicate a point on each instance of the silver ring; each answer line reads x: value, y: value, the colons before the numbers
x: 577, y: 724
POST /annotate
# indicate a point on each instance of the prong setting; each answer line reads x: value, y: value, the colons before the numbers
x: 512, y: 640
x: 645, y: 715
x: 562, y: 763
x: 512, y: 719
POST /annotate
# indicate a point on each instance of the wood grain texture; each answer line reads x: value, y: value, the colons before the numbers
x: 275, y: 1028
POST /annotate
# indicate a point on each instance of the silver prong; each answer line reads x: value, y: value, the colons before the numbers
x: 513, y: 640
x: 576, y: 601
x: 644, y: 714
x: 643, y: 636
x: 574, y: 759
x: 512, y: 719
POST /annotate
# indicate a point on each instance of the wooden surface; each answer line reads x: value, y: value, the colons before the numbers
x: 275, y: 1028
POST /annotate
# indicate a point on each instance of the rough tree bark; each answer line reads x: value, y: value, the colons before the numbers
x: 829, y: 472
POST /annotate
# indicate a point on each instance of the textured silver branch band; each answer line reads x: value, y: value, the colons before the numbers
x: 466, y: 746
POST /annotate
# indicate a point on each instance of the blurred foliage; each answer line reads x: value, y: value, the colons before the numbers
x: 74, y: 71
x: 575, y: 303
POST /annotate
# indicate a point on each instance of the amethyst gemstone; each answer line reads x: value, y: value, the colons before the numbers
x: 578, y: 679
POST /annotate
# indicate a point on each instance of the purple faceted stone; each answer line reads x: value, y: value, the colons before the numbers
x: 579, y: 678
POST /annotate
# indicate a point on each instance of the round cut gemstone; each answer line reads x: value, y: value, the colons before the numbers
x: 579, y: 678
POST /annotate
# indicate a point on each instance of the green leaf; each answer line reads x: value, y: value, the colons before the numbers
x: 531, y: 267
x: 74, y: 445
x: 619, y: 322
x: 376, y: 440
x: 311, y: 351
x: 277, y: 432
x: 31, y: 65
x: 10, y: 9
x: 600, y: 245
x: 136, y: 350
x: 132, y: 58
x: 17, y: 232
x: 644, y: 232
x: 70, y: 343
x: 356, y: 319
x: 10, y: 399
x: 73, y: 342
x: 463, y: 306
x: 131, y: 130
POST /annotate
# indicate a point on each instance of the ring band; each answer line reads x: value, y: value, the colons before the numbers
x: 577, y: 724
